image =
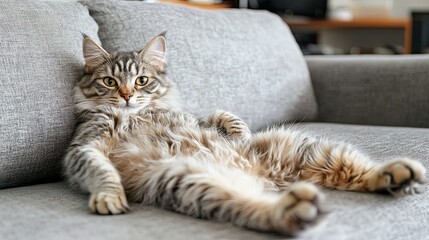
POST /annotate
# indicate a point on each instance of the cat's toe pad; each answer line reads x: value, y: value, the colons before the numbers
x: 106, y: 203
x: 299, y: 208
x: 402, y: 177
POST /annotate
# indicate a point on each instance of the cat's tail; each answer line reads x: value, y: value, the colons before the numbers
x: 210, y: 191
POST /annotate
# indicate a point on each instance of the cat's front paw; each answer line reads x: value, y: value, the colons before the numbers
x: 298, y: 209
x: 401, y: 177
x: 235, y: 128
x: 105, y: 203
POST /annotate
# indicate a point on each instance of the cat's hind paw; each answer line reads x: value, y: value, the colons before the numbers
x: 108, y: 203
x: 298, y: 209
x: 401, y: 177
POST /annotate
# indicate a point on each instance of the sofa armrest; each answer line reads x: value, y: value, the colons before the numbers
x: 372, y: 90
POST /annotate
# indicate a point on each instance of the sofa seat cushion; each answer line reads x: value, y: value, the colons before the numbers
x: 380, y: 143
x: 40, y: 59
x: 242, y: 61
x: 53, y: 211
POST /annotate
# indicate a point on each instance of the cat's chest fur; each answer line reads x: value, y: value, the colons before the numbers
x: 144, y: 137
x: 156, y: 125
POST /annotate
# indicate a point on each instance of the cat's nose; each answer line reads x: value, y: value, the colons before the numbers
x: 126, y: 96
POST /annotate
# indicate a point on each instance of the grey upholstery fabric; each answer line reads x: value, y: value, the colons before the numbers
x: 386, y: 90
x: 53, y: 211
x: 380, y: 143
x: 40, y: 58
x: 246, y: 62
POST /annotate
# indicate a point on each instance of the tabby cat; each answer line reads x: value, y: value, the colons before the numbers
x: 134, y: 143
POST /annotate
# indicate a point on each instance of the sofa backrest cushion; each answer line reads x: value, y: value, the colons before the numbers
x: 243, y: 61
x: 40, y: 59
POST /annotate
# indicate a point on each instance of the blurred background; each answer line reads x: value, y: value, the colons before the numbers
x: 327, y: 27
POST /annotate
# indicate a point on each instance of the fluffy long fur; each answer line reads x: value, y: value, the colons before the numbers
x: 146, y: 149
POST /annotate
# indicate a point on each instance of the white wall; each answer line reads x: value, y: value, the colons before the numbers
x: 399, y: 8
x: 371, y: 37
x: 402, y: 8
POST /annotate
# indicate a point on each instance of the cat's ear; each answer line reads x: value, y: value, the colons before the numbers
x: 155, y: 51
x: 93, y: 53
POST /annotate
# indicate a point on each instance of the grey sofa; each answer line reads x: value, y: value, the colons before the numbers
x: 243, y: 61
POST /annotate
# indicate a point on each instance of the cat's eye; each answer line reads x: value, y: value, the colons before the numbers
x: 141, y: 81
x: 110, y: 82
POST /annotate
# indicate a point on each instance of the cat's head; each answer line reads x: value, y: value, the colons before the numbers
x: 129, y: 81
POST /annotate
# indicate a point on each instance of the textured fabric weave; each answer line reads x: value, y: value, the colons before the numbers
x: 53, y: 211
x: 242, y: 61
x: 40, y: 59
x: 375, y: 90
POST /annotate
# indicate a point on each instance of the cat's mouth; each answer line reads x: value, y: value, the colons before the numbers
x: 128, y: 105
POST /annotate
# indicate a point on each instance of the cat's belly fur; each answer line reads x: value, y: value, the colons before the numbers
x: 140, y: 143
